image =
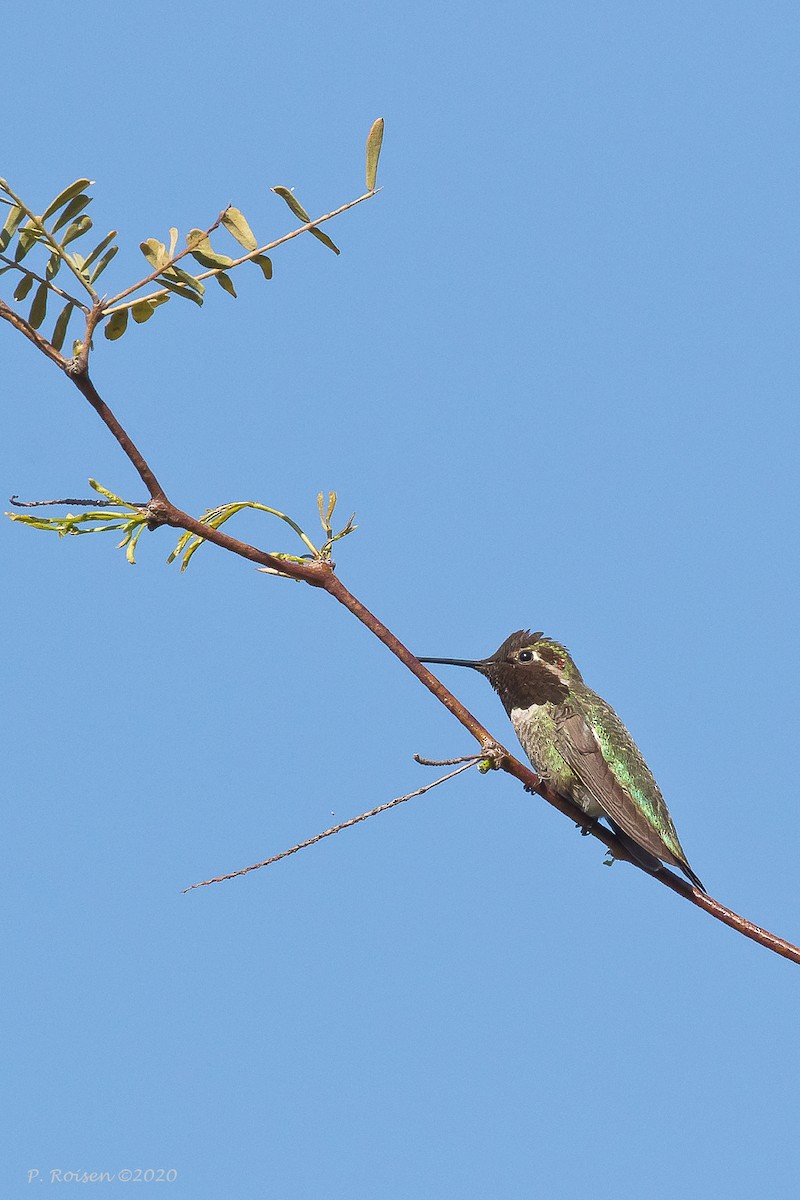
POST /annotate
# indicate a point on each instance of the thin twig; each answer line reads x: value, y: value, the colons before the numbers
x: 373, y: 812
x: 115, y: 306
x: 96, y: 503
x: 47, y: 282
x: 160, y: 270
x: 446, y: 762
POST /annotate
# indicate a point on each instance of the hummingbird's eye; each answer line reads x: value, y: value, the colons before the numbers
x: 525, y: 656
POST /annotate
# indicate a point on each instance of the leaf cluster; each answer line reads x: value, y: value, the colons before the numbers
x: 133, y: 519
x: 55, y: 233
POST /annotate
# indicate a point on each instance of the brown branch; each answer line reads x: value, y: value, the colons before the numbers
x: 373, y: 812
x: 87, y: 389
x: 321, y: 574
x: 33, y: 335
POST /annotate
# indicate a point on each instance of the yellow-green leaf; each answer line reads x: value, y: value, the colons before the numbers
x: 173, y: 240
x: 265, y: 263
x: 100, y: 247
x: 293, y: 202
x: 76, y: 230
x: 39, y: 306
x: 155, y: 252
x: 60, y: 331
x: 12, y: 222
x: 53, y: 265
x: 104, y: 261
x: 66, y: 195
x: 98, y: 487
x: 116, y: 324
x: 237, y: 226
x: 326, y: 241
x: 130, y: 543
x: 299, y: 211
x: 204, y: 252
x: 142, y: 311
x: 226, y: 283
x: 75, y: 206
x: 28, y: 237
x: 23, y: 287
x: 180, y: 290
x: 179, y: 276
x: 374, y: 142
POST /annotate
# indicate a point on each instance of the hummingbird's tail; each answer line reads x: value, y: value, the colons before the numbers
x: 648, y: 861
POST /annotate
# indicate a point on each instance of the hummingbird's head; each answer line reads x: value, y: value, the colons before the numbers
x: 527, y: 669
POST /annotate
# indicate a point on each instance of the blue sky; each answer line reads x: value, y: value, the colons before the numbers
x: 554, y: 371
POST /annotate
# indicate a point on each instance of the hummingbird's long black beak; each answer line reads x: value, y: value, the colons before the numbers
x: 477, y: 664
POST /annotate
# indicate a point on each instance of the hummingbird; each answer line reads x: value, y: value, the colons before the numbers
x: 579, y: 746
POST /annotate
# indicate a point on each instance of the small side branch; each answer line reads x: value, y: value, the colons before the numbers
x: 373, y: 812
x: 71, y: 501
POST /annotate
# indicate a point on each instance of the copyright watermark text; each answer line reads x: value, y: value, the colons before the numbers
x: 126, y: 1175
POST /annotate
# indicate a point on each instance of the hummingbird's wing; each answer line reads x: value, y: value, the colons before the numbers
x: 609, y: 764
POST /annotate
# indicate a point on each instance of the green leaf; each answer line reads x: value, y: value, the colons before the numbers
x: 130, y: 549
x: 143, y: 310
x: 179, y: 276
x: 204, y: 252
x: 326, y: 241
x: 116, y: 325
x: 299, y: 211
x: 294, y: 204
x: 13, y: 221
x: 226, y: 283
x: 237, y: 226
x: 66, y: 195
x: 23, y: 287
x: 180, y: 290
x: 76, y: 230
x: 265, y: 263
x: 104, y: 261
x: 100, y: 247
x: 173, y: 240
x: 374, y: 142
x: 98, y: 487
x: 28, y: 237
x: 155, y: 252
x: 53, y: 266
x: 60, y: 331
x: 75, y: 206
x: 39, y: 306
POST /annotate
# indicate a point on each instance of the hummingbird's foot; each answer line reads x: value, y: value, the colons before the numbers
x: 492, y: 756
x: 544, y: 777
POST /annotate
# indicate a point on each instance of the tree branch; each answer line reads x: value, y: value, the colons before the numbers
x: 321, y: 574
x: 33, y: 335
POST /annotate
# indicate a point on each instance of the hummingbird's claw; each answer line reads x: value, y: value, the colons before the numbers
x: 492, y: 754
